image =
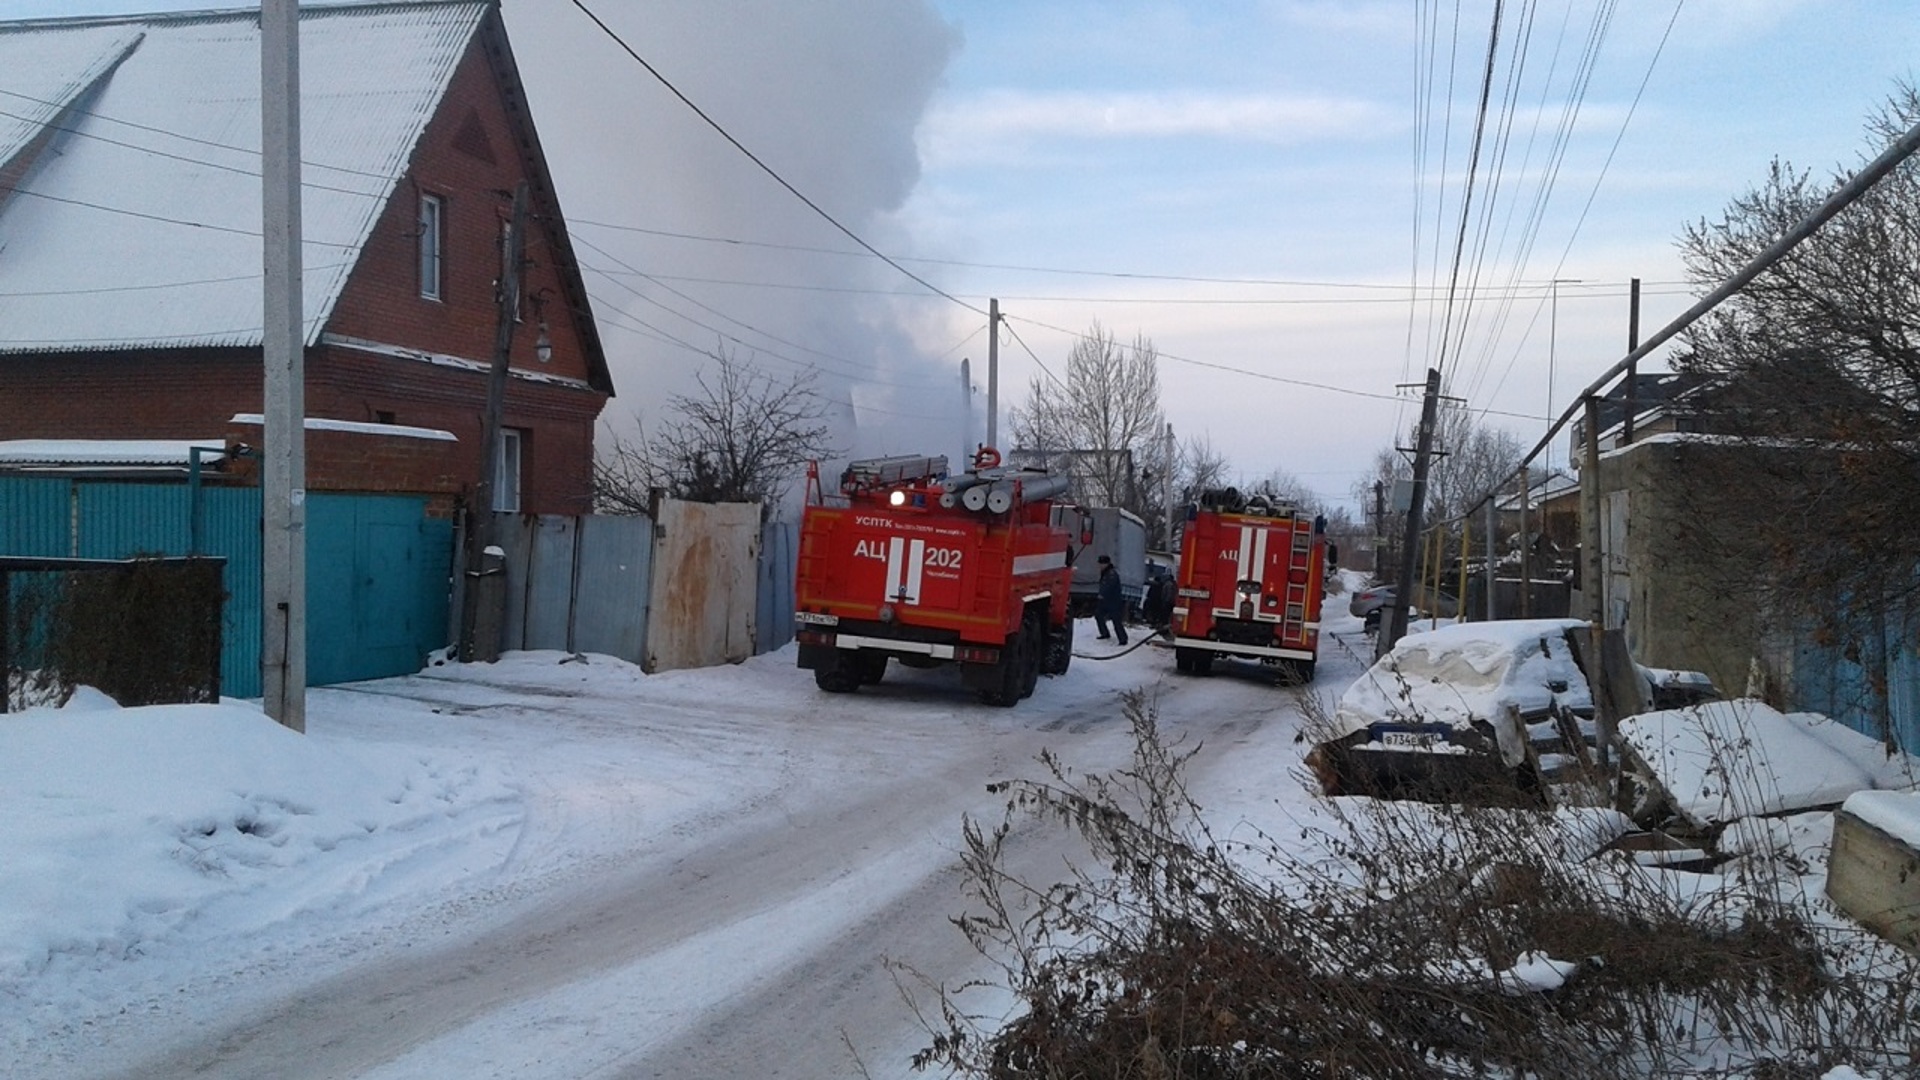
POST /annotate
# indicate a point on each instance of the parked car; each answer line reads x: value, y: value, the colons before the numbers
x: 1452, y: 713
x: 1369, y: 603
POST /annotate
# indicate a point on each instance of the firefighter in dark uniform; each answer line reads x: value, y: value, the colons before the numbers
x: 1110, y: 606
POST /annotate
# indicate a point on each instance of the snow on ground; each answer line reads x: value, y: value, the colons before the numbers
x: 181, y: 862
x: 169, y: 868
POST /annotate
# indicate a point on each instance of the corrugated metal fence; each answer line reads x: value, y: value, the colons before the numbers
x: 1870, y: 682
x: 377, y: 565
x: 587, y: 584
x: 380, y: 570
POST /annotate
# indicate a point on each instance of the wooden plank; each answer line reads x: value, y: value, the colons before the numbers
x: 1875, y: 878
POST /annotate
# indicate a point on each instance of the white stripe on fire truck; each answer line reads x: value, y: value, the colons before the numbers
x: 916, y: 562
x: 896, y: 551
x: 1259, y: 572
x: 1247, y: 569
x: 1033, y: 564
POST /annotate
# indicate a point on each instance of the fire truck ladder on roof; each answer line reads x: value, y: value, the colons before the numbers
x: 884, y: 471
x: 1299, y: 570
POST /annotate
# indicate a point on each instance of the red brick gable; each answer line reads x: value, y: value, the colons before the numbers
x: 387, y: 354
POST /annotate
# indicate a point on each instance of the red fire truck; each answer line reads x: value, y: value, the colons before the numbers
x: 916, y: 565
x: 1248, y: 585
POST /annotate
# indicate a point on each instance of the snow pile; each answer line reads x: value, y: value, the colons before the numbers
x: 125, y: 826
x: 1727, y: 760
x: 1458, y: 674
x: 1896, y: 813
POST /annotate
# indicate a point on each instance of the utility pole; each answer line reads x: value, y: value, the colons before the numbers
x: 993, y: 373
x: 1422, y: 456
x: 1526, y: 549
x: 1493, y: 518
x: 1166, y: 490
x: 1379, y: 525
x: 1633, y: 366
x: 1553, y: 340
x: 283, y: 478
x: 486, y: 576
x: 966, y: 410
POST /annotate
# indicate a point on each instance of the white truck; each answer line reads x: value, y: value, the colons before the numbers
x: 1115, y: 533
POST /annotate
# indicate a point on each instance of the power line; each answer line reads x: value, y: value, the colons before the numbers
x: 253, y: 151
x: 1375, y: 395
x: 167, y: 220
x: 764, y: 167
x: 202, y: 162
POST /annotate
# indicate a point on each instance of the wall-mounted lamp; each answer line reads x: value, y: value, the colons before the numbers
x: 543, y: 343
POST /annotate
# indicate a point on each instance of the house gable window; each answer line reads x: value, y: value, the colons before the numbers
x: 433, y: 209
x: 506, y: 472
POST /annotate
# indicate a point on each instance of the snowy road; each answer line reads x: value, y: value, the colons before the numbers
x: 699, y: 875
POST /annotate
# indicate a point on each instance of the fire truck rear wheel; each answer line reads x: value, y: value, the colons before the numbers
x: 1033, y: 637
x: 1059, y: 650
x: 871, y: 665
x: 839, y: 677
x: 1008, y: 676
x: 1295, y: 672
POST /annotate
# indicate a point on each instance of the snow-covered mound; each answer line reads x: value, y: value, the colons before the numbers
x: 1727, y: 760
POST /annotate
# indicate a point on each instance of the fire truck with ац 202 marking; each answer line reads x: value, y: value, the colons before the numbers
x: 1249, y: 585
x: 914, y: 565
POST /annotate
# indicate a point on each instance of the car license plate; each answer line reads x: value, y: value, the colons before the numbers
x: 1411, y: 740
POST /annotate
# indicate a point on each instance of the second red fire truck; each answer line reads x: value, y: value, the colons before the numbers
x: 1248, y: 585
x: 914, y: 565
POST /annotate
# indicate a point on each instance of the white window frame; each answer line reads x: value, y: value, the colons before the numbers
x: 506, y: 471
x: 432, y: 261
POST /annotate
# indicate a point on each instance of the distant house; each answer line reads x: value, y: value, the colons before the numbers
x: 1661, y: 402
x: 130, y: 247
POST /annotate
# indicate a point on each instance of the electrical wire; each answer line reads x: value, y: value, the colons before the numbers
x: 764, y: 167
x: 1267, y: 376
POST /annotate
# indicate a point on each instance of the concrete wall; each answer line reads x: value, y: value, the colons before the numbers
x: 1678, y: 582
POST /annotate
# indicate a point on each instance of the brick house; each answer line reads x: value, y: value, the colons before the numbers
x: 130, y: 249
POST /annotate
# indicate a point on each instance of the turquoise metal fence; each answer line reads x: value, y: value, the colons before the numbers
x: 377, y: 565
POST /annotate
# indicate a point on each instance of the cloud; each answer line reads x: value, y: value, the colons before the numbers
x: 1006, y: 115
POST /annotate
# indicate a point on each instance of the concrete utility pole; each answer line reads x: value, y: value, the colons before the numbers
x: 1633, y: 366
x: 1166, y: 491
x: 993, y: 373
x: 283, y: 479
x: 1379, y: 525
x: 1422, y: 457
x: 486, y: 577
x: 966, y: 412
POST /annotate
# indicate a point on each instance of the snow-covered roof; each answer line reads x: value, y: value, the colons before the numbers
x: 33, y: 452
x: 356, y: 427
x: 1552, y: 487
x: 137, y: 221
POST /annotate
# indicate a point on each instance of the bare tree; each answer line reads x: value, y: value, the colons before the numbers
x: 1106, y: 414
x: 1279, y: 485
x: 1472, y: 459
x: 740, y: 439
x: 1821, y: 354
x: 1200, y: 467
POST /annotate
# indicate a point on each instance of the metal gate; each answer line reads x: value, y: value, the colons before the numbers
x: 377, y: 565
